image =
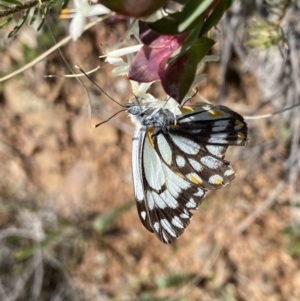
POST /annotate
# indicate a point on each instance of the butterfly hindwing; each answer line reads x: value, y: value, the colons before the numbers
x: 177, y: 159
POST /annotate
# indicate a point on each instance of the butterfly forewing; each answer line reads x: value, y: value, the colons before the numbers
x: 176, y: 160
x: 168, y: 196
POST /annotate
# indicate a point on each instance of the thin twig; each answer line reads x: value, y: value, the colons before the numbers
x: 271, y: 114
x: 17, y: 232
x: 295, y: 124
x: 20, y: 283
x: 38, y: 275
x: 52, y: 49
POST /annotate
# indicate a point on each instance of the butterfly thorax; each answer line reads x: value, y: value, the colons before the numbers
x: 144, y: 115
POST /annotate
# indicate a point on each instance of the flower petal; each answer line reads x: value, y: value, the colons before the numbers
x: 76, y: 26
x: 96, y: 10
x: 124, y: 51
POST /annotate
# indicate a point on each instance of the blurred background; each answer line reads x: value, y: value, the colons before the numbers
x: 69, y: 229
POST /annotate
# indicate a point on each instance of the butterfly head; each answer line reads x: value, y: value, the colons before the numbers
x: 152, y: 112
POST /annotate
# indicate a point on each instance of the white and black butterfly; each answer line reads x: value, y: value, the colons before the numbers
x: 177, y: 156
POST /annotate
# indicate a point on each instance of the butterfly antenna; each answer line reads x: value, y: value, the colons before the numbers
x: 76, y: 66
x: 136, y: 98
x: 166, y: 102
x: 98, y: 124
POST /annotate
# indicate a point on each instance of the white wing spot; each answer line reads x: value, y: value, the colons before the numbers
x: 194, y: 178
x: 195, y: 164
x: 186, y: 145
x: 219, y: 125
x: 191, y: 203
x: 228, y: 172
x: 156, y: 226
x: 177, y: 222
x: 137, y: 177
x: 218, y: 139
x: 174, y: 183
x: 167, y: 226
x: 159, y: 200
x: 199, y: 193
x: 150, y: 200
x: 215, y: 150
x: 210, y: 162
x: 180, y: 161
x: 215, y: 179
x: 168, y: 199
x: 164, y: 149
x: 185, y: 214
x: 152, y: 167
x: 165, y: 238
x: 143, y: 215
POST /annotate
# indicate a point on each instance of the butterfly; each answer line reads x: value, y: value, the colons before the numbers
x: 177, y: 157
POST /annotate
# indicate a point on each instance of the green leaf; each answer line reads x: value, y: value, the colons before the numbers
x: 172, y: 280
x: 295, y: 248
x: 201, y: 47
x: 51, y: 3
x: 20, y: 24
x: 169, y: 25
x: 43, y: 18
x: 65, y: 4
x: 34, y: 15
x: 188, y: 43
x: 179, y: 75
x: 13, y: 2
x: 6, y: 22
x: 192, y: 11
x: 166, y: 25
x: 215, y: 16
x: 193, y: 57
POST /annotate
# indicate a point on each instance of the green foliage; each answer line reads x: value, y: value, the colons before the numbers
x: 107, y: 221
x: 173, y: 280
x: 264, y: 34
x: 192, y: 58
x: 52, y: 240
x: 6, y: 22
x: 13, y: 2
x: 216, y: 15
x: 20, y: 24
x: 293, y: 235
x: 192, y: 12
x: 39, y: 10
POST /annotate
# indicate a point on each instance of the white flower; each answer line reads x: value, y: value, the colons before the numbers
x: 82, y: 10
x: 140, y: 90
x: 113, y: 57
